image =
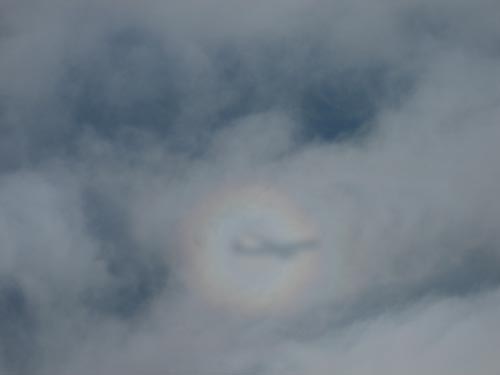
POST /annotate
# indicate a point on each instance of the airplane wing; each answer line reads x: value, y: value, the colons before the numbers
x: 273, y: 248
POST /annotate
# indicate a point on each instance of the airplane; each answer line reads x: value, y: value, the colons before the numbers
x: 258, y: 246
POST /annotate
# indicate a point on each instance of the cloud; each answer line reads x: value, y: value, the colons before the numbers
x: 140, y: 142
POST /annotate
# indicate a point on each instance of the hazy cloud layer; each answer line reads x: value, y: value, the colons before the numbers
x: 379, y: 119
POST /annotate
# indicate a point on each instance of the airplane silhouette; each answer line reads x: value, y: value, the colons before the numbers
x: 278, y: 249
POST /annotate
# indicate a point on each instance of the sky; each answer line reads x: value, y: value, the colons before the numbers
x: 299, y: 187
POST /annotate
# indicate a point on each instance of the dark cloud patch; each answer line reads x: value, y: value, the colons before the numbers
x: 135, y: 275
x: 18, y: 329
x: 129, y: 82
x: 133, y: 286
x: 478, y: 270
x: 343, y: 105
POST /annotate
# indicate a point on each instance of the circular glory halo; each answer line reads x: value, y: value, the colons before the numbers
x: 250, y: 248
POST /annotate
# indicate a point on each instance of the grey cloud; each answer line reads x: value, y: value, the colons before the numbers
x: 379, y: 120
